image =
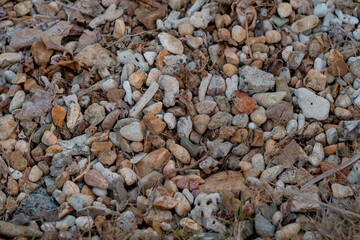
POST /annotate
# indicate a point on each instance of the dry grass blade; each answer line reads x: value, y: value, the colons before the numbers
x: 85, y: 171
x: 353, y: 160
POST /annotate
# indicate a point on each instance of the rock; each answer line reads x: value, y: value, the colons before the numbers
x: 315, y: 80
x: 312, y: 105
x: 109, y: 15
x: 58, y: 114
x: 224, y: 181
x: 288, y: 232
x: 85, y: 223
x: 48, y: 138
x: 201, y: 19
x: 65, y: 223
x: 205, y: 210
x: 303, y: 203
x: 284, y: 10
x: 69, y: 188
x: 119, y: 29
x: 95, y: 55
x: 270, y: 174
x: 35, y: 174
x: 190, y: 225
x: 205, y: 107
x: 268, y: 99
x: 17, y: 161
x: 273, y: 36
x: 170, y: 43
x: 355, y: 68
x: 129, y: 175
x: 180, y: 153
x: 153, y: 160
x: 148, y: 18
x: 294, y: 59
x: 242, y: 103
x: 200, y: 123
x: 304, y: 24
x: 8, y: 126
x: 217, y: 86
x: 80, y: 201
x: 23, y: 8
x: 186, y: 29
x: 107, y: 157
x: 341, y: 191
x: 128, y: 56
x: 253, y: 80
x: 184, y: 127
x: 94, y: 114
x: 263, y: 227
x: 219, y: 119
x: 171, y: 89
x: 230, y: 69
x: 17, y: 101
x: 154, y: 124
x: 238, y: 33
x: 170, y: 120
x: 183, y: 206
x: 95, y: 179
x: 321, y: 10
x: 135, y: 131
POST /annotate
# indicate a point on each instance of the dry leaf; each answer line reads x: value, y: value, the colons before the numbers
x: 289, y: 155
x: 86, y: 39
x: 350, y: 130
x: 53, y: 36
x: 38, y: 105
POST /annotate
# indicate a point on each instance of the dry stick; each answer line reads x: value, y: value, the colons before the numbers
x: 133, y: 35
x: 328, y: 173
x: 152, y: 195
x: 85, y: 171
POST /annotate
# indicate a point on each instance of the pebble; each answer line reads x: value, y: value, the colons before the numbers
x: 268, y: 99
x: 230, y: 69
x: 284, y: 10
x: 170, y: 43
x: 135, y: 131
x: 341, y: 191
x: 263, y: 227
x: 315, y: 80
x: 273, y: 36
x: 79, y: 201
x: 321, y: 10
x: 304, y: 24
x: 288, y: 231
x: 171, y: 89
x: 49, y: 138
x: 69, y: 188
x: 95, y: 179
x: 17, y: 101
x: 65, y: 223
x: 23, y: 8
x: 35, y: 174
x: 183, y: 206
x: 129, y: 176
x: 85, y: 223
x: 258, y: 116
x: 238, y: 33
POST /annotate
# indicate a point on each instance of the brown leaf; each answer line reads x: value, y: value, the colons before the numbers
x: 281, y: 113
x: 38, y: 105
x: 72, y: 64
x: 289, y: 155
x: 53, y: 36
x: 86, y: 39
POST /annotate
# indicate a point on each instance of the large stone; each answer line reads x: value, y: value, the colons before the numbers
x: 305, y: 24
x: 313, y: 106
x: 171, y: 43
x: 95, y: 55
x: 253, y: 80
x: 153, y: 160
x: 7, y: 126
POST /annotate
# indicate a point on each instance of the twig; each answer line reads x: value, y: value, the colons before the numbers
x: 133, y: 35
x: 75, y: 9
x: 85, y: 171
x: 328, y: 173
x: 152, y: 194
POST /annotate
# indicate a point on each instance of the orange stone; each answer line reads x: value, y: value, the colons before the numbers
x: 98, y: 147
x: 242, y: 103
x: 58, y: 114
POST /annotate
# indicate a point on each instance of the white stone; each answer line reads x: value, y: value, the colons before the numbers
x: 231, y: 86
x: 321, y: 10
x: 170, y: 120
x: 85, y: 223
x: 150, y: 57
x: 319, y: 64
x: 313, y: 106
x: 35, y: 174
x: 109, y: 84
x: 170, y: 43
x: 129, y: 175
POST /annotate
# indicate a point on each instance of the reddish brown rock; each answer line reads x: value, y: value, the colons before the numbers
x: 156, y: 125
x: 242, y: 103
x: 189, y: 183
x: 94, y: 179
x: 58, y: 114
x: 153, y: 160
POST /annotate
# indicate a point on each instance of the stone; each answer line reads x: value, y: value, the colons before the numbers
x: 341, y: 191
x: 288, y: 232
x: 95, y: 179
x: 183, y: 206
x: 190, y: 225
x: 154, y: 124
x: 49, y: 138
x: 17, y: 161
x: 7, y: 126
x: 315, y: 80
x: 304, y: 24
x: 217, y: 86
x: 284, y: 10
x: 171, y: 89
x: 110, y: 15
x: 321, y: 10
x: 205, y: 107
x: 272, y: 36
x: 253, y: 80
x: 313, y: 106
x: 269, y: 99
x: 170, y: 43
x: 23, y: 8
x: 94, y: 114
x: 242, y: 103
x: 186, y: 29
x: 80, y: 201
x: 107, y: 157
x: 95, y: 55
x: 119, y: 29
x: 270, y: 174
x: 134, y: 131
x: 65, y: 223
x: 148, y: 18
x: 35, y: 174
x: 69, y: 188
x: 294, y: 59
x: 200, y: 123
x: 84, y: 223
x: 10, y: 230
x: 263, y: 227
x: 230, y: 69
x: 17, y: 101
x: 151, y: 161
x: 180, y: 153
x: 74, y: 116
x: 219, y: 119
x: 129, y: 176
x: 129, y: 57
x: 58, y: 114
x: 238, y: 33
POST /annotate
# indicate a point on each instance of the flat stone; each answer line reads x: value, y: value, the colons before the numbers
x: 95, y: 55
x: 313, y: 106
x: 253, y: 80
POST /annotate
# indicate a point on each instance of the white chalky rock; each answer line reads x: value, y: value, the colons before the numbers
x: 145, y: 98
x: 170, y: 120
x: 170, y: 85
x: 201, y: 19
x: 184, y: 126
x: 150, y: 57
x: 231, y: 86
x: 171, y: 43
x: 203, y: 87
x: 110, y: 15
x: 129, y: 175
x: 313, y: 106
x: 85, y: 223
x: 128, y: 93
x: 129, y: 56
